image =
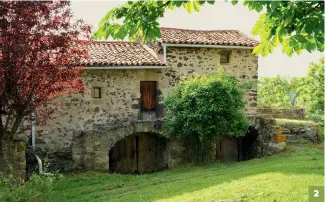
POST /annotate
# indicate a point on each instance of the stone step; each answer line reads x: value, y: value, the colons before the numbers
x: 285, y: 131
x: 292, y: 137
x: 292, y: 141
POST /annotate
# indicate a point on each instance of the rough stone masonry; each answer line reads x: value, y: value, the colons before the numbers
x: 81, y: 133
x: 120, y: 103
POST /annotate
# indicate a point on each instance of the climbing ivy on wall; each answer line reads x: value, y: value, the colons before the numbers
x: 202, y: 108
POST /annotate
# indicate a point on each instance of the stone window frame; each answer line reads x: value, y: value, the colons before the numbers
x: 100, y: 92
x: 227, y: 60
x: 103, y: 90
x: 228, y: 55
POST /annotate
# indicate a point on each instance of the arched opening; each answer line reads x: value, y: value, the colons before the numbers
x: 249, y: 146
x: 230, y: 149
x: 138, y: 153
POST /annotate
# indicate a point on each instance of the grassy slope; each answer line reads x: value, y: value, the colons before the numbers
x: 285, y: 177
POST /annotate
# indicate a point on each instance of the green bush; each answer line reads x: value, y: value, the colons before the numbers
x: 202, y: 108
x: 36, y: 185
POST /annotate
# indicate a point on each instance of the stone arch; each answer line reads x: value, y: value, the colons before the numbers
x: 90, y: 150
x: 258, y: 137
x: 138, y: 153
x: 253, y: 144
x: 249, y: 143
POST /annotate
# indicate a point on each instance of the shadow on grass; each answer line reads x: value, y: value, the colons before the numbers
x: 92, y: 186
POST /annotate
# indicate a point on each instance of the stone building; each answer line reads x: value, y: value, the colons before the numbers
x: 115, y: 125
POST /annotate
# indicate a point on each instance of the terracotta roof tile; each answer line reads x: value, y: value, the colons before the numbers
x: 204, y: 37
x: 115, y: 53
x: 118, y: 53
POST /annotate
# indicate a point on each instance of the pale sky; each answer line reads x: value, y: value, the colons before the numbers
x: 221, y: 15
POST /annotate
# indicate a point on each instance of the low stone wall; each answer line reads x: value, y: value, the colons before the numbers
x: 274, y: 137
x: 284, y: 113
x: 301, y: 134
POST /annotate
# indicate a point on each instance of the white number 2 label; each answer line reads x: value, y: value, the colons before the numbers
x: 316, y: 193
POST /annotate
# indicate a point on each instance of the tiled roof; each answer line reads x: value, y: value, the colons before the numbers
x: 115, y: 53
x: 204, y: 37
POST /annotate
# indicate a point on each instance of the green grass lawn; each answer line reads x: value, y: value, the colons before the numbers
x: 284, y: 177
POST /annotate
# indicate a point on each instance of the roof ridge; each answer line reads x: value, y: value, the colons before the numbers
x: 207, y: 37
x: 104, y: 41
x: 210, y: 30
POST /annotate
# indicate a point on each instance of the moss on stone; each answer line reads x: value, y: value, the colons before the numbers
x: 21, y: 147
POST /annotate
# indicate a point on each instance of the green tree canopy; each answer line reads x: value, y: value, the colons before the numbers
x: 315, y: 89
x: 306, y: 92
x: 296, y: 25
x: 281, y: 91
x: 203, y: 108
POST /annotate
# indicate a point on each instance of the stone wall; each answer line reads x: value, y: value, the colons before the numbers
x: 273, y: 137
x: 269, y: 138
x: 242, y: 64
x: 301, y: 134
x: 82, y: 115
x: 284, y: 113
x: 262, y: 138
x: 90, y: 150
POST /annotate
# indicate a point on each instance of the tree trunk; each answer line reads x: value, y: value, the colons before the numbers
x: 13, y: 159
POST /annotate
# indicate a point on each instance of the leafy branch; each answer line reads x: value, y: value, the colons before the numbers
x: 295, y: 25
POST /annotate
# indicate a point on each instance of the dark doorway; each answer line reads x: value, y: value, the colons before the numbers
x: 249, y: 144
x: 138, y: 153
x: 238, y: 148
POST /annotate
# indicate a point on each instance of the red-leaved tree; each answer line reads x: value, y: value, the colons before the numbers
x: 39, y: 47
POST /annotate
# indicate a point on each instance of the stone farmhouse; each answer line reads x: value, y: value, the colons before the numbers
x: 115, y: 125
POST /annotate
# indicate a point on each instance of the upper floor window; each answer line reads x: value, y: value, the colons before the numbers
x: 97, y: 93
x: 224, y: 58
x: 148, y: 94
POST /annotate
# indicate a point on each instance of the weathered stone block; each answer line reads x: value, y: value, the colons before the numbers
x: 276, y: 147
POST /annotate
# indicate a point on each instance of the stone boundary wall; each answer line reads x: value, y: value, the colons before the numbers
x: 301, y: 134
x: 283, y: 113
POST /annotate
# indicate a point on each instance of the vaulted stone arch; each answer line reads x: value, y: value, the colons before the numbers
x: 90, y: 149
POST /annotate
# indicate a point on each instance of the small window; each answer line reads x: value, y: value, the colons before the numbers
x: 224, y: 58
x: 148, y: 95
x: 97, y: 92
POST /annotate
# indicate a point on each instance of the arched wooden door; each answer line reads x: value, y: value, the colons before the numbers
x: 138, y: 153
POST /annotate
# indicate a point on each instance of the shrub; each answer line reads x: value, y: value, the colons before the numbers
x: 202, y: 108
x: 36, y: 185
